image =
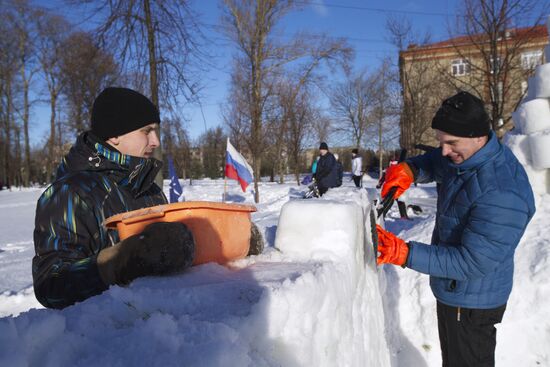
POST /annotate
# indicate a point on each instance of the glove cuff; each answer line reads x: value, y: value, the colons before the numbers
x: 408, y: 170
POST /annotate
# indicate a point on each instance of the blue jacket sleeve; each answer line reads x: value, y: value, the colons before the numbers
x: 497, y: 222
x: 66, y: 239
x: 428, y: 167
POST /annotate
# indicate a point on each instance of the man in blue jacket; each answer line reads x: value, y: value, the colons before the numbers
x: 484, y: 204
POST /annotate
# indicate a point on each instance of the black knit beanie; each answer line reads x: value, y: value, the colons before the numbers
x: 323, y: 146
x: 117, y: 111
x: 462, y: 115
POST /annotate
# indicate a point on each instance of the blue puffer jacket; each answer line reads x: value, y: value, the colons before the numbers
x: 484, y: 205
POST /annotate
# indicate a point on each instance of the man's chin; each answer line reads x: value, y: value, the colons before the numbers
x: 457, y: 160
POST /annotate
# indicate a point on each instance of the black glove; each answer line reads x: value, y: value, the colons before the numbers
x: 256, y: 241
x: 162, y: 248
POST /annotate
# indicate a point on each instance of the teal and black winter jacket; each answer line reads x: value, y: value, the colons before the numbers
x: 93, y: 183
x: 484, y: 205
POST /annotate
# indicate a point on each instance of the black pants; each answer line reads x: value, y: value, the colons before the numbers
x: 468, y: 336
x: 357, y: 180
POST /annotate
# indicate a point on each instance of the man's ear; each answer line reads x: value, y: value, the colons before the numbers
x: 113, y: 141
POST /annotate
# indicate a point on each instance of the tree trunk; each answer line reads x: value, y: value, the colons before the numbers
x: 52, y: 143
x: 7, y: 143
x: 380, y: 149
x: 257, y: 164
x: 17, y: 167
x: 297, y: 167
x: 153, y: 77
x: 27, y: 165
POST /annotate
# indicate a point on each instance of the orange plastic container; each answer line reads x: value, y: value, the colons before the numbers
x: 221, y: 231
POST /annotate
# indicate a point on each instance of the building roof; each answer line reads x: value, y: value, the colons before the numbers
x: 536, y: 32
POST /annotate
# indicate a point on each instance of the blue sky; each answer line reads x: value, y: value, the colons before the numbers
x: 355, y: 20
x: 362, y: 22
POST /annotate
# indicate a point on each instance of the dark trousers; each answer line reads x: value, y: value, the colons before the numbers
x: 322, y: 190
x: 357, y: 180
x: 468, y: 336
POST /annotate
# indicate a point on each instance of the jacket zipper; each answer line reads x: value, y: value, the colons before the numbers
x: 458, y: 314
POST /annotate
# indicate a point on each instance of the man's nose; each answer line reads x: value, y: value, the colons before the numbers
x: 154, y: 139
x: 445, y: 150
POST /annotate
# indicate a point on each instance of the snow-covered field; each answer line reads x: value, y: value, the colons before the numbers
x: 312, y: 302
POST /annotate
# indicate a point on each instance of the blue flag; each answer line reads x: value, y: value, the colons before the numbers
x: 175, y: 187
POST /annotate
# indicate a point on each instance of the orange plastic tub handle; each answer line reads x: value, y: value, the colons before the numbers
x: 143, y: 218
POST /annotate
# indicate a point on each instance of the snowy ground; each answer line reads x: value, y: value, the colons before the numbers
x: 279, y: 308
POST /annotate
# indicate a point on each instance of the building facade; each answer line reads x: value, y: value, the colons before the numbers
x: 495, y: 69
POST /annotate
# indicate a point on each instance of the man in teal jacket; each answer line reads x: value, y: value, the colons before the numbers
x: 484, y: 204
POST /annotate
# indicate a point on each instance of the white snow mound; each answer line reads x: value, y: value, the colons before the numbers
x: 316, y: 302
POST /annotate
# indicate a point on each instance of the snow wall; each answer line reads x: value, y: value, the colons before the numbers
x: 312, y: 301
x: 530, y: 140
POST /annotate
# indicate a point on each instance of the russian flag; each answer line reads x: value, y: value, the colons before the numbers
x: 236, y: 167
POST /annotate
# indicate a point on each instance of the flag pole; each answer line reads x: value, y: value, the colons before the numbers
x: 224, y: 187
x: 224, y: 175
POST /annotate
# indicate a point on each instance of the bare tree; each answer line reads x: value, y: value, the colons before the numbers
x: 322, y: 125
x: 52, y: 32
x: 158, y: 41
x: 493, y: 40
x: 22, y: 20
x: 385, y: 108
x: 251, y: 24
x: 422, y: 83
x: 299, y: 129
x: 213, y: 146
x: 352, y: 101
x: 86, y: 70
x: 8, y: 71
x: 177, y: 145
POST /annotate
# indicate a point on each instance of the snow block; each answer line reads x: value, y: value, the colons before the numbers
x: 540, y: 150
x: 327, y: 238
x: 532, y: 116
x: 542, y: 81
x: 520, y: 145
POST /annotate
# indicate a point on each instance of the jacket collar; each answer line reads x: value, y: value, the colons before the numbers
x: 90, y: 153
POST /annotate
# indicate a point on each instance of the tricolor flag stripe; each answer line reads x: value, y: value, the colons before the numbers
x: 237, y: 168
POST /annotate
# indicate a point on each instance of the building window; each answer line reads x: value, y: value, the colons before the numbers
x: 460, y: 67
x: 530, y: 60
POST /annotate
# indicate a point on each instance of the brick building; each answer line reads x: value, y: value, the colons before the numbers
x: 432, y: 72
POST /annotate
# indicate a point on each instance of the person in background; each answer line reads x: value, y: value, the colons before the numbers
x: 357, y: 168
x: 484, y: 204
x: 325, y: 174
x: 339, y: 171
x: 109, y: 170
x: 314, y: 165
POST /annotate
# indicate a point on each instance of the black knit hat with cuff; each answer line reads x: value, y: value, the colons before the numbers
x: 117, y: 111
x: 462, y: 115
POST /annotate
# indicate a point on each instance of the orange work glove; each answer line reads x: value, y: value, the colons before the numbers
x: 400, y: 176
x: 392, y: 249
